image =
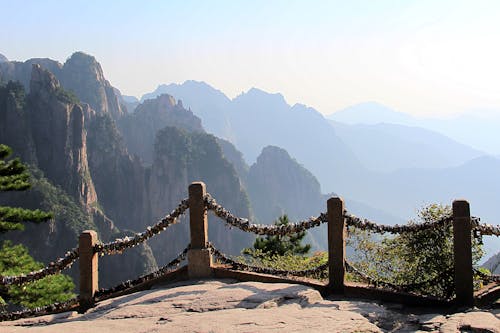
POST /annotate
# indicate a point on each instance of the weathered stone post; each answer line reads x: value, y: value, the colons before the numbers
x: 199, y: 257
x: 89, y: 269
x: 336, y: 244
x: 462, y: 250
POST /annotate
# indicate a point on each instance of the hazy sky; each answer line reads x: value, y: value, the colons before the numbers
x: 421, y: 57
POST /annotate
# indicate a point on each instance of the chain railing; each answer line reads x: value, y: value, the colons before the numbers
x: 262, y: 229
x: 336, y: 217
x: 343, y: 219
x: 42, y: 310
x: 119, y: 245
x: 365, y: 224
x: 407, y: 287
x: 487, y: 277
x: 54, y: 267
x: 238, y: 265
x: 174, y: 263
x: 485, y: 229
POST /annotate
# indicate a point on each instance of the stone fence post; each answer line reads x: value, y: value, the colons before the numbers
x: 199, y: 257
x: 462, y: 250
x: 89, y: 269
x: 336, y: 244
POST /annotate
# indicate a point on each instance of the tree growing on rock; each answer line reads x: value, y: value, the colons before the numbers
x: 15, y: 259
x: 420, y: 260
x: 279, y: 245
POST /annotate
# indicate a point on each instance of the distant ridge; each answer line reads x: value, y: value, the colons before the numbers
x: 370, y: 113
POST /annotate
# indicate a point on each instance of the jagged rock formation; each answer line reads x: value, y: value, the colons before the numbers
x: 139, y: 128
x: 180, y: 158
x: 81, y: 74
x: 278, y: 184
x: 493, y: 264
x: 256, y: 119
x: 59, y: 136
x: 131, y: 102
x: 21, y: 71
x: 118, y: 177
x: 48, y: 128
x: 86, y: 175
x: 211, y: 105
x: 234, y: 156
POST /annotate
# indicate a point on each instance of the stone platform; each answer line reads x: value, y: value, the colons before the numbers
x: 218, y: 306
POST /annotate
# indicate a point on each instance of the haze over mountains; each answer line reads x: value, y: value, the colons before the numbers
x: 389, y: 163
x: 478, y: 128
x: 122, y: 163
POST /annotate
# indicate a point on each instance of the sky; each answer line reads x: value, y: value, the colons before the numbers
x: 426, y: 58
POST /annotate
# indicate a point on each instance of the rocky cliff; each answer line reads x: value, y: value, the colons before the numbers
x: 180, y: 158
x: 66, y: 127
x: 278, y: 184
x: 139, y: 128
x: 81, y: 74
x: 59, y: 136
x: 48, y: 129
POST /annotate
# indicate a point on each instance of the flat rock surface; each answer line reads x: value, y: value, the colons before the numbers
x: 230, y: 306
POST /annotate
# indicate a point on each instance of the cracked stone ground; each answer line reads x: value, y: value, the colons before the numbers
x: 230, y: 306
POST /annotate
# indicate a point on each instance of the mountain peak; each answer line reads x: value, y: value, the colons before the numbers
x: 84, y: 63
x: 3, y: 58
x: 42, y: 81
x: 261, y: 97
x: 371, y: 113
x: 83, y: 58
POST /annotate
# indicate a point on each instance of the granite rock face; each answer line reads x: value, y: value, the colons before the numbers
x: 278, y: 184
x: 221, y: 306
x: 212, y: 306
x: 180, y: 158
x: 140, y: 128
x: 80, y: 74
x: 59, y: 135
x: 83, y: 75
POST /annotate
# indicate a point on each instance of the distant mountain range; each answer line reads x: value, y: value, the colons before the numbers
x: 396, y: 168
x: 477, y: 128
x: 388, y: 147
x: 130, y: 160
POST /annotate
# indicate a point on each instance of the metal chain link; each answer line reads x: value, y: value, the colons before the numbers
x: 486, y: 277
x: 261, y: 229
x: 54, y: 267
x: 263, y: 270
x: 485, y: 229
x: 365, y: 224
x: 119, y: 245
x: 40, y: 311
x: 398, y: 287
x: 132, y: 283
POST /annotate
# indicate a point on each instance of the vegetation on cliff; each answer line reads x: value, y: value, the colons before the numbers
x: 15, y: 259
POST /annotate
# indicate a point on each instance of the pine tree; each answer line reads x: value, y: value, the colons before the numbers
x: 279, y: 245
x: 14, y: 176
x: 15, y: 259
